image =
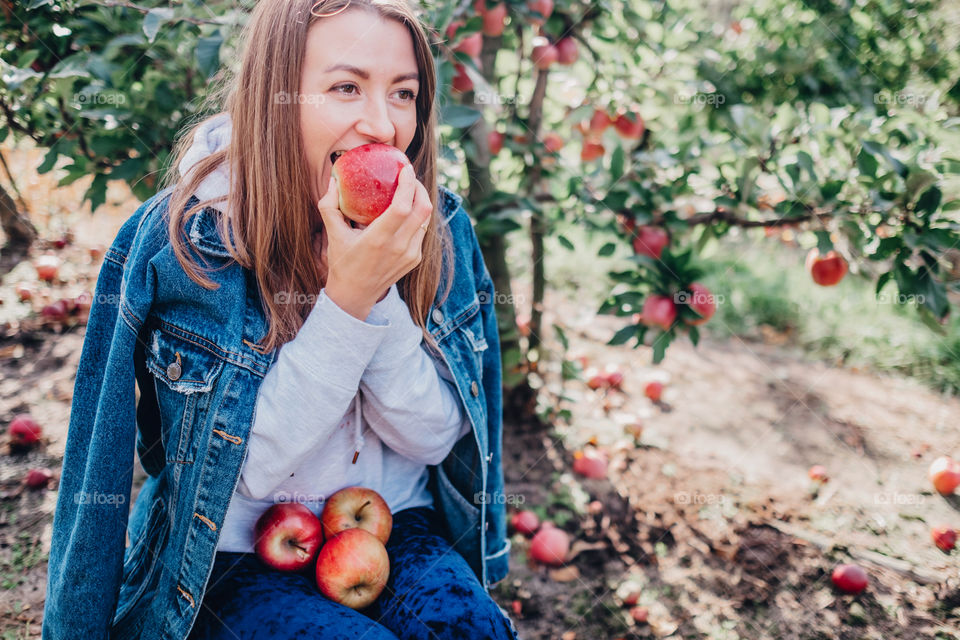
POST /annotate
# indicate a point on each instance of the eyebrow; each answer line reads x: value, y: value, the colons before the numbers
x: 366, y: 76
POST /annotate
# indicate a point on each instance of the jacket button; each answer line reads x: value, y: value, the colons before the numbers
x: 174, y: 371
x: 437, y: 316
x: 474, y: 388
x: 489, y: 458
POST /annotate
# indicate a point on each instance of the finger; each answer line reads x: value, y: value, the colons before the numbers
x: 402, y: 203
x: 419, y: 219
x: 329, y: 207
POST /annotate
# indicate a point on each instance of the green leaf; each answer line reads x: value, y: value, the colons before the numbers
x: 882, y: 281
x: 208, y: 54
x: 829, y: 190
x: 561, y: 336
x: 48, y: 160
x: 806, y: 163
x: 660, y: 344
x: 623, y: 335
x: 459, y: 116
x: 929, y: 202
x: 563, y: 240
x: 97, y: 193
x: 607, y: 250
x: 155, y: 19
x: 867, y: 164
x: 824, y: 244
x: 694, y: 335
x: 616, y: 164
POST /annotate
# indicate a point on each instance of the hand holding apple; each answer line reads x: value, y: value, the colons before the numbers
x: 360, y: 265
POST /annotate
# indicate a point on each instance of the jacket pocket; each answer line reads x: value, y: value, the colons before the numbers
x: 474, y: 339
x: 184, y: 376
x: 141, y: 564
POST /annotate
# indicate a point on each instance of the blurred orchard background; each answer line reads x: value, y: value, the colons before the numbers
x: 725, y: 244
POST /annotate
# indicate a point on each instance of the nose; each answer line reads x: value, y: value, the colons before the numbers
x: 375, y: 122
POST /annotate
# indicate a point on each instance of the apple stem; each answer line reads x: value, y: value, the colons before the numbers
x: 362, y: 507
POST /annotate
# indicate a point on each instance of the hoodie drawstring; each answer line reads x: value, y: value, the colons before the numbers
x: 358, y: 428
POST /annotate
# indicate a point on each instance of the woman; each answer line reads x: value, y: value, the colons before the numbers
x: 282, y: 354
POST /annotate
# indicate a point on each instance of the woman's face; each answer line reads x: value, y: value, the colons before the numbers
x: 359, y: 85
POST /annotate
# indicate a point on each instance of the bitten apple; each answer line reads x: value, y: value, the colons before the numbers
x: 353, y: 568
x: 367, y: 177
x: 288, y: 536
x: 357, y: 507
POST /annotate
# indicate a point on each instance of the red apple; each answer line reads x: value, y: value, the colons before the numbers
x: 654, y: 391
x: 639, y: 614
x: 352, y: 568
x: 550, y: 545
x: 659, y: 311
x: 595, y: 379
x: 24, y: 292
x: 630, y: 125
x: 650, y: 241
x: 591, y: 151
x: 47, y: 267
x: 590, y: 464
x: 614, y: 377
x: 495, y: 140
x: 553, y: 142
x: 818, y: 473
x: 525, y: 522
x: 493, y: 19
x: 849, y: 578
x: 471, y: 45
x: 543, y: 7
x: 944, y: 537
x: 461, y: 82
x: 367, y: 177
x: 56, y: 311
x: 826, y: 270
x: 600, y: 121
x: 61, y: 242
x: 702, y: 301
x: 357, y: 507
x: 38, y: 478
x: 632, y: 598
x: 945, y: 475
x: 544, y: 55
x: 288, y: 536
x: 567, y: 51
x: 24, y: 431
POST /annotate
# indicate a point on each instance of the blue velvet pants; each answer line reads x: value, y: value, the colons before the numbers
x: 432, y: 594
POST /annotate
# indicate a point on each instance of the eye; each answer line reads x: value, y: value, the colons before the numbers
x: 407, y: 95
x: 347, y: 88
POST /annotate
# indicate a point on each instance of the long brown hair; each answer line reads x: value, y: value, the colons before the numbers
x: 272, y: 208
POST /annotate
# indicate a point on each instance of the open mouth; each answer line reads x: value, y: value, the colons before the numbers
x: 336, y: 156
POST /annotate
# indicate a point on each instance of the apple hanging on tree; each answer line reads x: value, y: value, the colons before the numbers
x: 826, y: 270
x: 650, y: 241
x: 567, y: 51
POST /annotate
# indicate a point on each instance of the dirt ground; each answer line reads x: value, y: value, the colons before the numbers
x: 709, y: 516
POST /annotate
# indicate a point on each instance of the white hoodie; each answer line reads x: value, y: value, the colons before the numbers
x: 338, y: 372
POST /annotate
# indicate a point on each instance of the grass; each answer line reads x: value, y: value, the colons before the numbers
x: 766, y: 291
x: 25, y: 554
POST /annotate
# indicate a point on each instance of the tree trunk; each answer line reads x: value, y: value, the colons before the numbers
x: 20, y: 231
x: 538, y: 225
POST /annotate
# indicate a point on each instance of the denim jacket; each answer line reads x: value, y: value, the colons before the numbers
x: 195, y: 357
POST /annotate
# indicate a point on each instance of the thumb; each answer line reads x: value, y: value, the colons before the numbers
x: 329, y: 207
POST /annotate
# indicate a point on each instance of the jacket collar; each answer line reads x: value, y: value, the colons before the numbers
x: 206, y: 237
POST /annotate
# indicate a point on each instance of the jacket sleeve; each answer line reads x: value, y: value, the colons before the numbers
x: 87, y: 546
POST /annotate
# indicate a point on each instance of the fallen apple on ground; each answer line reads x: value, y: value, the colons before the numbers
x: 849, y: 578
x: 818, y: 473
x: 353, y: 568
x: 944, y: 537
x: 24, y: 431
x: 945, y: 475
x: 38, y: 478
x: 367, y: 177
x: 639, y: 614
x: 357, y: 507
x: 550, y: 546
x: 590, y: 464
x: 654, y: 391
x: 47, y: 267
x: 288, y: 536
x: 525, y: 522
